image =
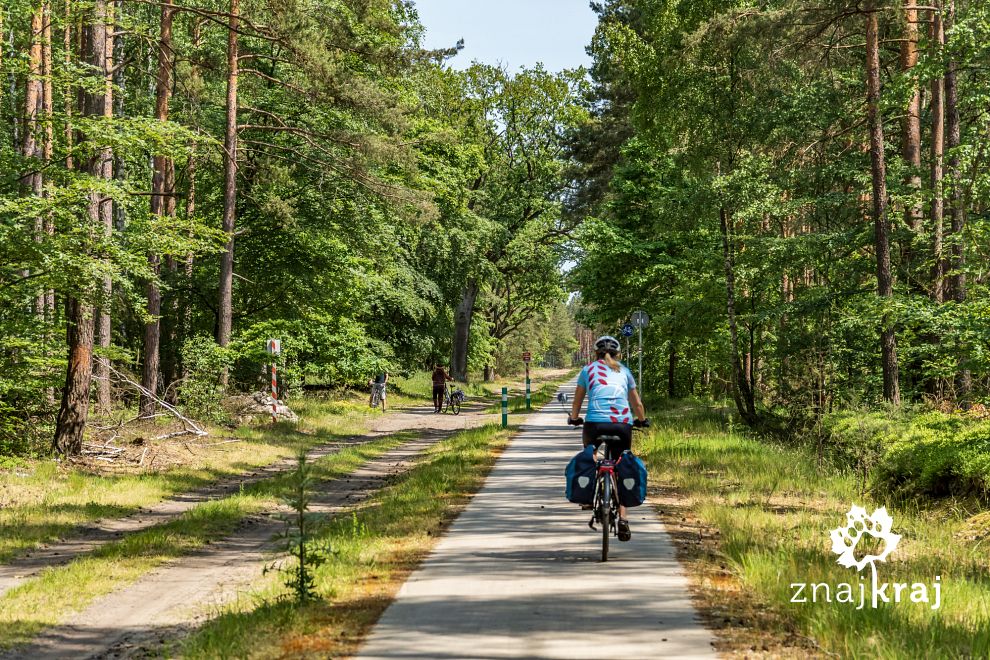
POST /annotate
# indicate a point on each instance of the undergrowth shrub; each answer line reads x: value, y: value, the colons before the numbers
x: 906, y: 454
x: 328, y: 351
x: 201, y: 392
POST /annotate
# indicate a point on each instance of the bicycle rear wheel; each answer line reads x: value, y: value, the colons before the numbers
x: 606, y: 513
x: 455, y: 405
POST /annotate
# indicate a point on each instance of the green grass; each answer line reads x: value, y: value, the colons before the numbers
x: 372, y: 551
x: 773, y: 508
x: 42, y: 500
x: 57, y: 592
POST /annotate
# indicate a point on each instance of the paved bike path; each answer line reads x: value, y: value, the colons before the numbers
x: 518, y: 574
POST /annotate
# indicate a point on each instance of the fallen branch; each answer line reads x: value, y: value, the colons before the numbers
x: 189, y: 426
x: 214, y: 444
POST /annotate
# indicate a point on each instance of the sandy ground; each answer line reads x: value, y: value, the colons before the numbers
x: 88, y: 538
x: 136, y: 620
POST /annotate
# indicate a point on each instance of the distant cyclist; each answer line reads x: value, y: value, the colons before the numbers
x: 612, y: 402
x: 440, y: 378
x: 378, y: 386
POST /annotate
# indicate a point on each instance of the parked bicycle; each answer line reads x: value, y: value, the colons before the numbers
x: 452, y: 399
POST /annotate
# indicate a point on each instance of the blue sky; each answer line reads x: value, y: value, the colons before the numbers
x: 514, y: 33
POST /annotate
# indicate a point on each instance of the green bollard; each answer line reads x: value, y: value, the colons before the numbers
x: 505, y: 407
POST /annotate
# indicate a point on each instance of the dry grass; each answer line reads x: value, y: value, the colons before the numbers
x: 58, y: 592
x: 373, y: 553
x: 43, y: 500
x: 750, y: 518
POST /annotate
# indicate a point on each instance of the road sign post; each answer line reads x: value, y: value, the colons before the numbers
x: 527, y: 357
x: 639, y: 380
x: 640, y: 320
x: 505, y: 407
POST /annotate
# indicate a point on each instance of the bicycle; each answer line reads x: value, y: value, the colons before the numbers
x: 605, y: 506
x: 377, y: 395
x: 605, y: 509
x: 452, y: 399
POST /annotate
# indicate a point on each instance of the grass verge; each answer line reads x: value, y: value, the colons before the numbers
x: 373, y: 551
x: 43, y: 500
x: 58, y: 592
x: 750, y: 519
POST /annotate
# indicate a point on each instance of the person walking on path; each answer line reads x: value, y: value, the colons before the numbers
x: 440, y: 378
x: 378, y: 387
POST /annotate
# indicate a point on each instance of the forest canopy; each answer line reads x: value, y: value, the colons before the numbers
x: 795, y: 192
x: 184, y: 180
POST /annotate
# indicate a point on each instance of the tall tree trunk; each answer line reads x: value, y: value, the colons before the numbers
x: 48, y: 134
x: 957, y: 278
x: 160, y: 194
x: 104, y: 11
x: 225, y: 302
x: 47, y: 151
x: 672, y: 371
x: 885, y: 283
x: 80, y: 322
x: 31, y: 182
x: 953, y: 140
x: 938, y: 154
x: 190, y: 258
x: 69, y: 90
x: 911, y: 127
x: 462, y: 331
x: 742, y: 394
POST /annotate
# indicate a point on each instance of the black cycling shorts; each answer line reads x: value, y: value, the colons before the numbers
x: 594, y: 430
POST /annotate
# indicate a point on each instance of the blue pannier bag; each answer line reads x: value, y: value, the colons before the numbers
x: 580, y: 475
x: 631, y: 476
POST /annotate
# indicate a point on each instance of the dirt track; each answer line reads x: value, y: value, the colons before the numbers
x: 137, y: 619
x: 88, y: 538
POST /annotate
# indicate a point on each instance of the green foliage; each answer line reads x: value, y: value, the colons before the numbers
x: 202, y: 390
x: 705, y: 112
x: 319, y: 350
x: 297, y: 539
x: 373, y: 182
x: 908, y: 455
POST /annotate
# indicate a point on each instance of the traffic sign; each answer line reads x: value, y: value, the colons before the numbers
x: 527, y: 356
x: 627, y: 330
x: 640, y: 319
x: 273, y: 347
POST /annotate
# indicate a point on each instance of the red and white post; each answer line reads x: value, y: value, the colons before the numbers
x: 274, y: 348
x: 274, y: 393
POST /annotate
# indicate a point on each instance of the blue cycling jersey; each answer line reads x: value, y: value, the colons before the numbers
x: 608, y: 392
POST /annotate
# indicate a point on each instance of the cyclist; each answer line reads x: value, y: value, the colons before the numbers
x: 611, y: 391
x: 379, y: 385
x: 440, y: 378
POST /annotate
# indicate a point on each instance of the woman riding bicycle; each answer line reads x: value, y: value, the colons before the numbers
x: 611, y: 391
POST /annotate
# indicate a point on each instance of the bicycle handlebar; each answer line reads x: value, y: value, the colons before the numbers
x: 637, y: 424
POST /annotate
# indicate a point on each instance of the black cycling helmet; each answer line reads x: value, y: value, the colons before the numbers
x: 607, y: 344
